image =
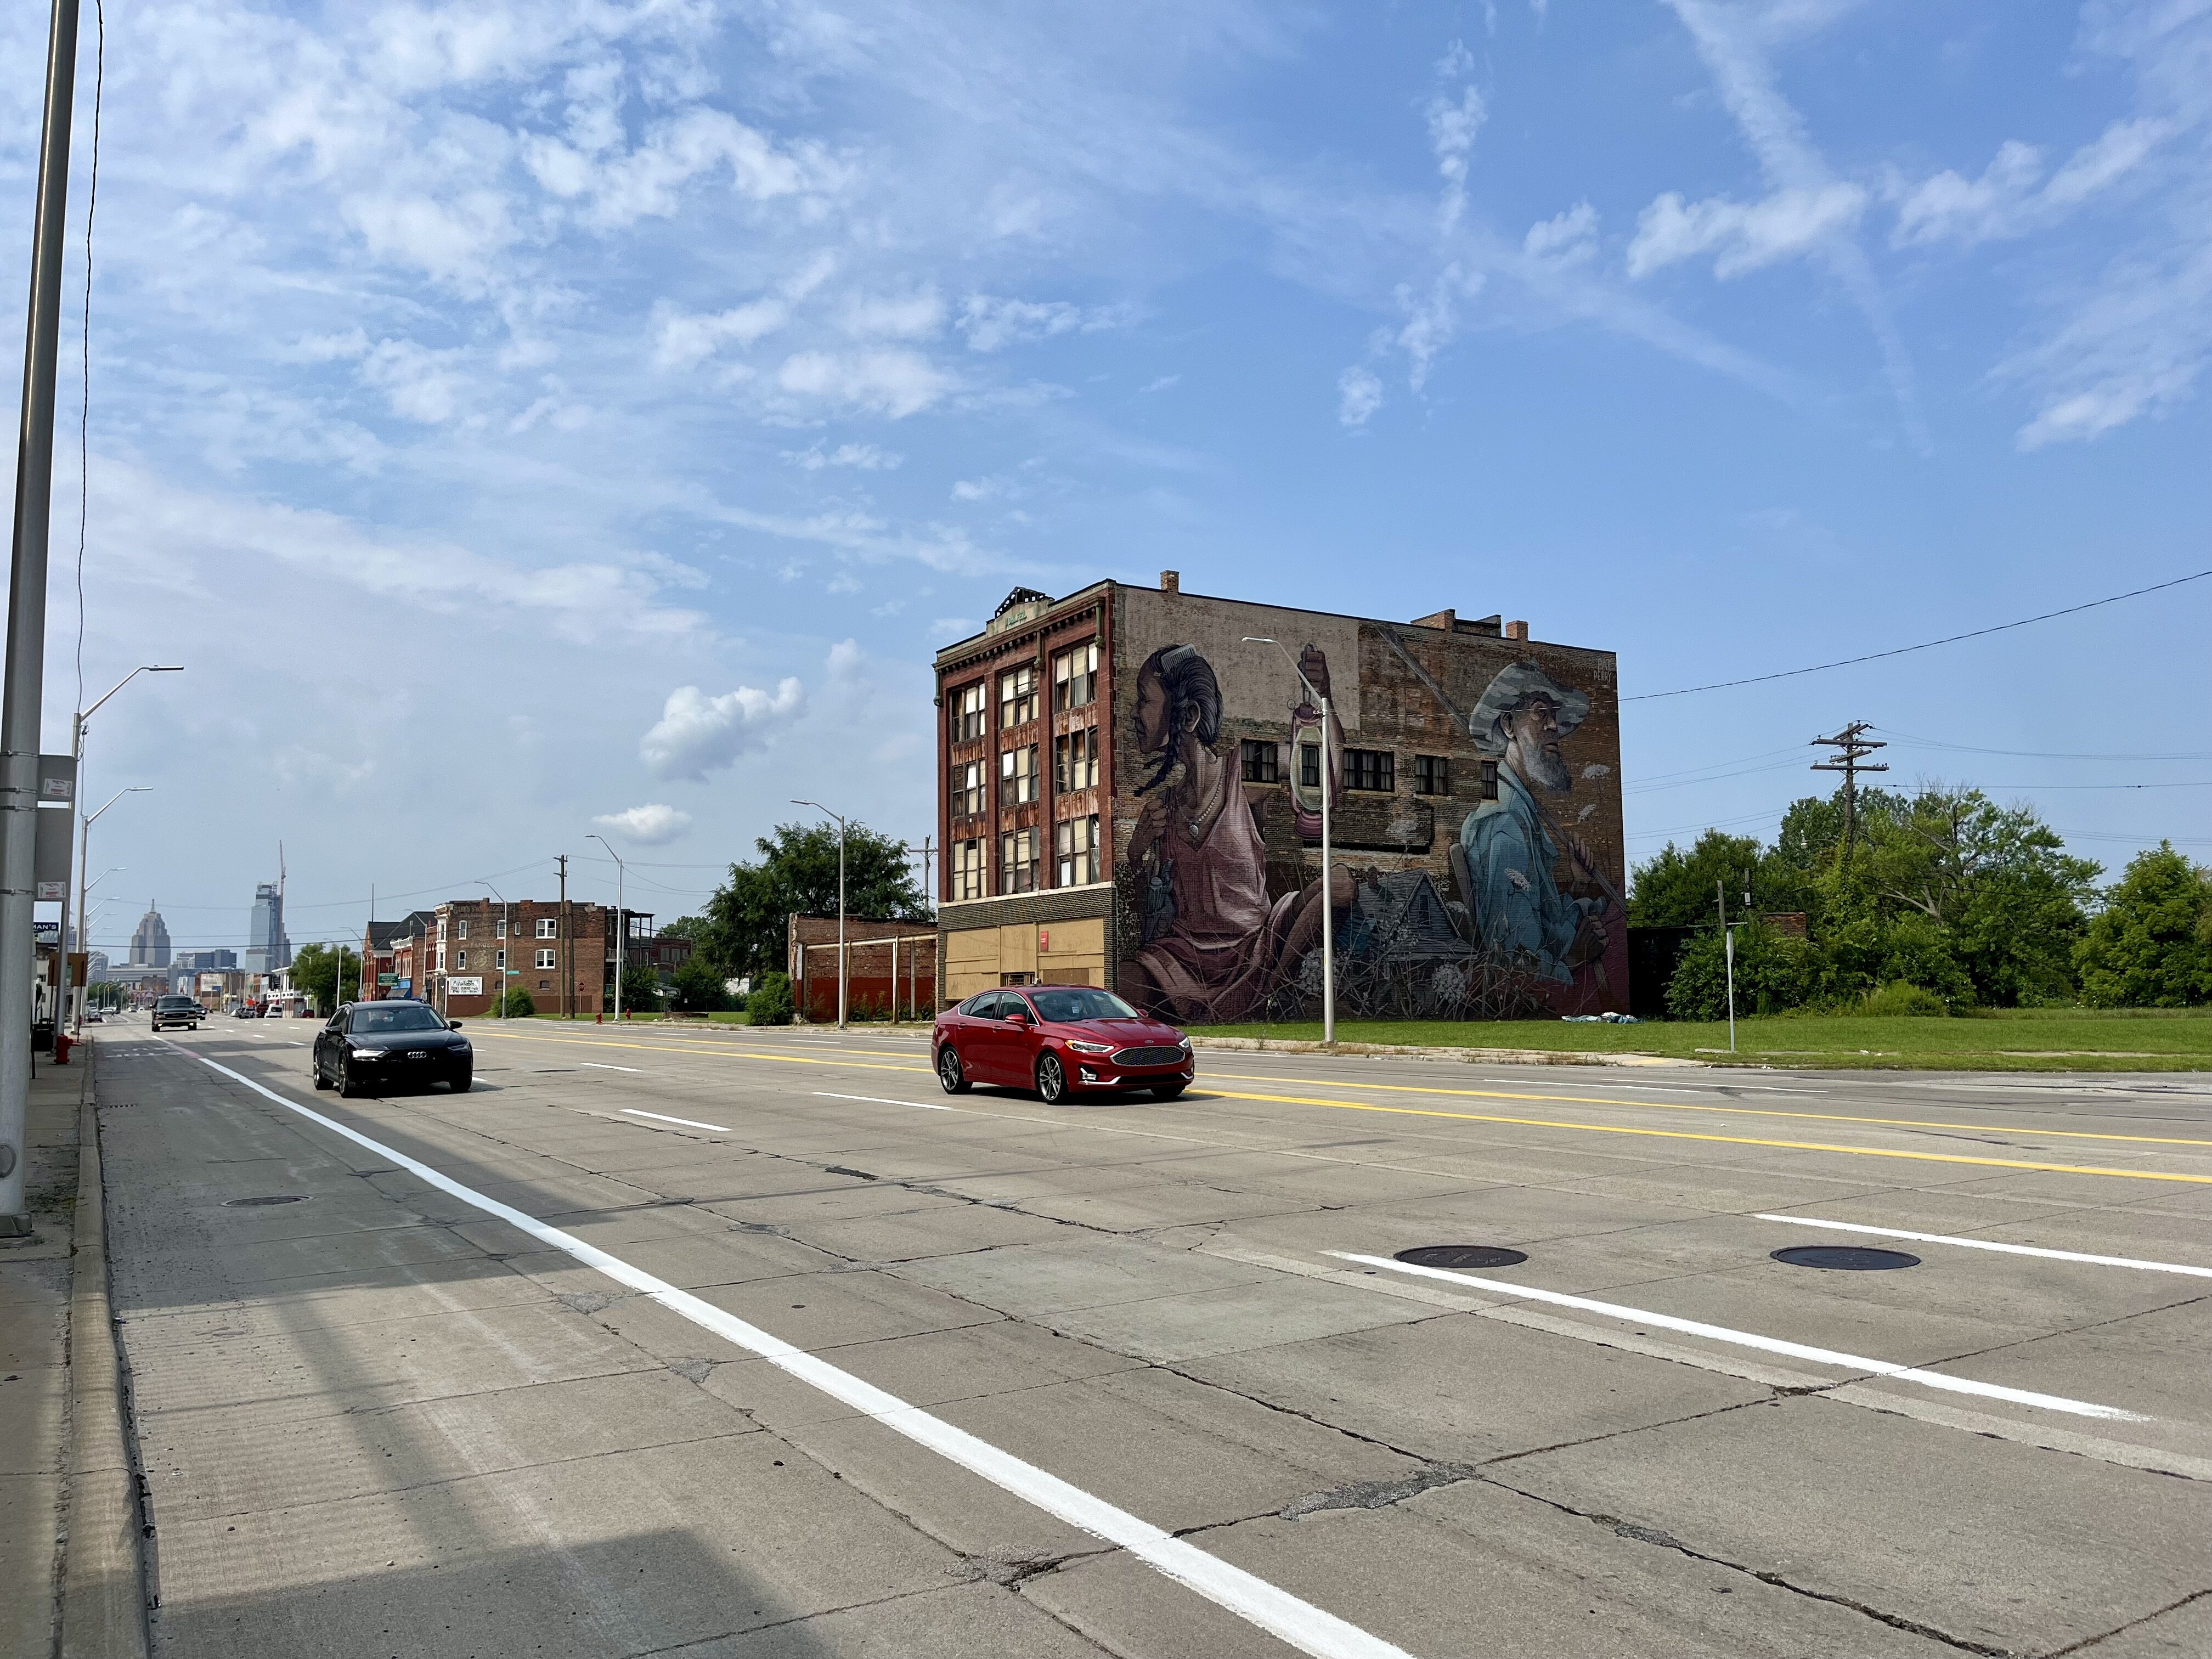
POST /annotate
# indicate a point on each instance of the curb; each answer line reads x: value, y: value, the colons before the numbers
x: 1408, y: 1051
x: 103, y: 1583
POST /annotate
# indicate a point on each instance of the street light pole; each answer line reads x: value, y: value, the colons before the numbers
x: 621, y: 921
x: 507, y: 942
x: 819, y: 807
x: 1327, y: 894
x: 25, y: 674
x: 84, y: 854
x: 76, y: 789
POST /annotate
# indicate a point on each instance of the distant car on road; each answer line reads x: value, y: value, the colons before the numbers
x: 175, y: 1011
x: 386, y: 1047
x: 1056, y: 1039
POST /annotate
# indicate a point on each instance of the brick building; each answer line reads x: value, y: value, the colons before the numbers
x: 1130, y: 791
x: 562, y: 955
x: 890, y: 967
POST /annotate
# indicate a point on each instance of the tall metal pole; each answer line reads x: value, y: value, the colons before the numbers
x: 1728, y: 952
x: 621, y: 922
x: 826, y: 812
x: 1328, y: 895
x: 27, y: 617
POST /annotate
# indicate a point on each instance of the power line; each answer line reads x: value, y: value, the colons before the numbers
x: 1911, y: 742
x: 1928, y: 645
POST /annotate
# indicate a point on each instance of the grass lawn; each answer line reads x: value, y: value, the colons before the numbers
x: 2022, y: 1039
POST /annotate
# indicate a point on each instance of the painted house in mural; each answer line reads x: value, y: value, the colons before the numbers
x: 1130, y: 791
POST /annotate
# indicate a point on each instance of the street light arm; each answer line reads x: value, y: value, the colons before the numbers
x: 1254, y: 639
x: 135, y: 789
x: 143, y: 668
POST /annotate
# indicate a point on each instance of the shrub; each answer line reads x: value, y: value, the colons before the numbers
x: 2151, y: 945
x: 1774, y: 972
x: 770, y: 1001
x: 517, y: 1004
x: 1902, y: 998
x: 699, y: 989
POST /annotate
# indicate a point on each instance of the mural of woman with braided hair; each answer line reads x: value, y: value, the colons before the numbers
x: 1214, y: 944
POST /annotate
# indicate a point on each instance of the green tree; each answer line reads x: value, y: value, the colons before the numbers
x: 699, y: 988
x: 797, y: 875
x: 329, y: 975
x: 641, y: 990
x: 2151, y: 944
x: 1773, y: 971
x: 691, y: 928
x: 1678, y: 888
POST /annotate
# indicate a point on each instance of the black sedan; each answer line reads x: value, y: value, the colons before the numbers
x: 380, y: 1047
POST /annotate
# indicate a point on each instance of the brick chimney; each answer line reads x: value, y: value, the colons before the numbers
x: 1170, y: 581
x: 1516, y: 630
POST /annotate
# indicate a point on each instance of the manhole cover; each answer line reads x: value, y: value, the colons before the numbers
x: 1845, y: 1258
x: 277, y: 1198
x: 1461, y: 1256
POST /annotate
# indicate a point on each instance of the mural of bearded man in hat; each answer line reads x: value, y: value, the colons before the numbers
x: 1512, y: 843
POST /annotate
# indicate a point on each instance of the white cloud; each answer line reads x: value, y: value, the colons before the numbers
x: 1359, y: 395
x: 916, y: 316
x: 866, y: 458
x: 1432, y: 320
x: 653, y: 824
x: 688, y: 339
x: 420, y: 383
x: 892, y: 380
x: 615, y: 190
x: 1743, y: 236
x: 1565, y: 238
x: 992, y: 324
x: 2005, y: 201
x: 1453, y: 125
x: 697, y: 734
x: 1159, y: 385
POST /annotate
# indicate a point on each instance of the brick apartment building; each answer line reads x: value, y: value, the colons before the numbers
x: 890, y: 967
x: 454, y: 956
x: 1130, y: 794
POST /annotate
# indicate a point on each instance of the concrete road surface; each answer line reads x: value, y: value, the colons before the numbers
x: 756, y: 1343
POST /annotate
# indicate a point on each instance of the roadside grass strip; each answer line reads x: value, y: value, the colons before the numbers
x: 1853, y: 1362
x: 1991, y: 1244
x: 1309, y: 1628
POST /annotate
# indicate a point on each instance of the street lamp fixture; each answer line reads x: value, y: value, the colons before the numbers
x: 1327, y: 894
x: 826, y: 812
x: 506, y: 944
x: 622, y: 920
x: 84, y: 858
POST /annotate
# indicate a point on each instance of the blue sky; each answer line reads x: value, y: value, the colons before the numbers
x: 522, y: 414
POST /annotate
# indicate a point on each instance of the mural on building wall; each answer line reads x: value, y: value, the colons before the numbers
x: 1447, y: 902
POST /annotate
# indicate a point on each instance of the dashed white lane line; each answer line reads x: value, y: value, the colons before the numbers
x: 689, y: 1123
x: 1991, y: 1244
x: 2053, y: 1402
x: 597, y: 1065
x: 1306, y: 1627
x: 878, y: 1100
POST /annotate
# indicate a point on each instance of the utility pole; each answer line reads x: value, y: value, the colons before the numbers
x: 621, y: 921
x: 27, y: 617
x: 826, y: 812
x: 1852, y: 748
x: 1727, y: 950
x: 568, y: 955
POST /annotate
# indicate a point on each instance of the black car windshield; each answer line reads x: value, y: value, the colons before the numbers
x: 399, y: 1017
x: 178, y: 1002
x: 1062, y: 1007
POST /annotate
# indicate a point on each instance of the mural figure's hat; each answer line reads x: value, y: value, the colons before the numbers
x: 1515, y: 687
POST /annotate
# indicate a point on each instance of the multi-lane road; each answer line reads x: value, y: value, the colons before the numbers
x: 663, y: 1342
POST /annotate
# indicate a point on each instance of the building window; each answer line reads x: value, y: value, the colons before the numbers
x: 1017, y: 776
x: 545, y: 959
x: 968, y: 870
x: 1308, y: 766
x: 1018, y: 696
x: 1260, y: 762
x: 465, y: 963
x: 1369, y: 768
x: 1077, y: 846
x: 1075, y: 677
x: 1432, y: 775
x: 464, y: 927
x: 1018, y: 862
x: 1490, y: 780
x: 441, y: 958
x: 549, y: 926
x: 441, y: 930
x: 1075, y: 760
x: 499, y: 960
x: 968, y: 790
x: 968, y: 713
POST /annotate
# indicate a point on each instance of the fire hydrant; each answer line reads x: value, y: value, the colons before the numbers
x: 62, y: 1046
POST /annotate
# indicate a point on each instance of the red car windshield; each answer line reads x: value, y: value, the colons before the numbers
x: 1069, y: 1007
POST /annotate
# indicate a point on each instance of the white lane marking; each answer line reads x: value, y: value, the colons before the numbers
x: 1991, y: 1244
x: 919, y: 1105
x: 595, y: 1066
x: 1308, y: 1628
x: 689, y: 1123
x: 1767, y: 1344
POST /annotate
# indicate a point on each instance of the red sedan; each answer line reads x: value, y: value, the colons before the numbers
x: 1056, y: 1038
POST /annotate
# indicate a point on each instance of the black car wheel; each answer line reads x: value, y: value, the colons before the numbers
x: 1168, y: 1090
x: 949, y: 1071
x: 348, y: 1088
x: 1051, y: 1079
x: 463, y: 1080
x: 316, y: 1067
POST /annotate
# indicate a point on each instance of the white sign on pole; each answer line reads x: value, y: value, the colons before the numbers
x: 457, y: 986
